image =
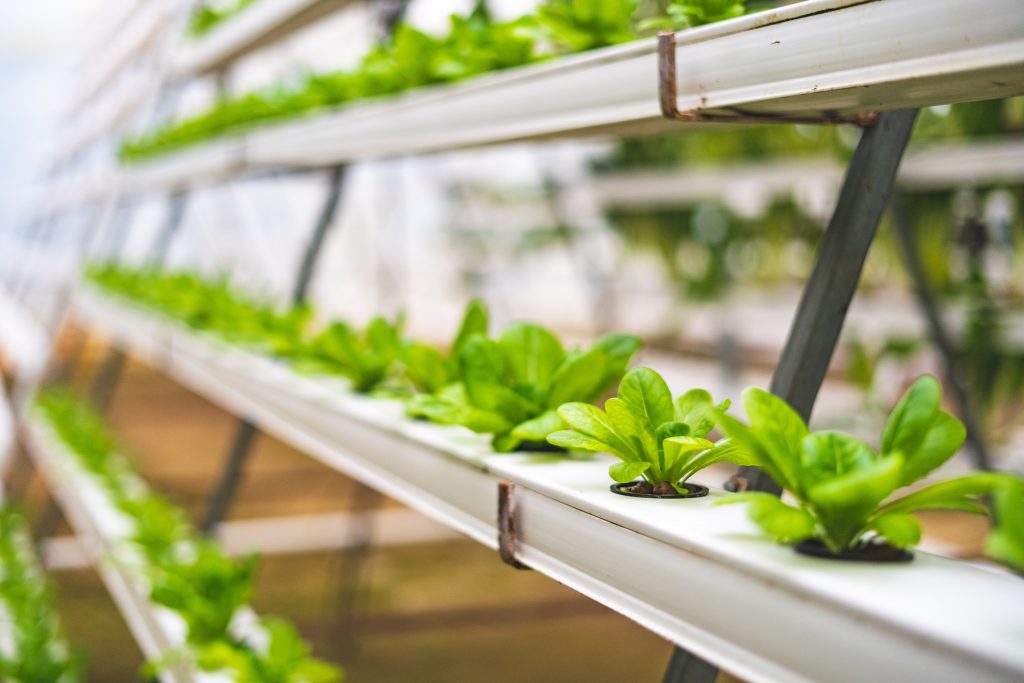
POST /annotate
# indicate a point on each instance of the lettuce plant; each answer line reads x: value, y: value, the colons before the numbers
x: 429, y: 370
x: 206, y: 589
x: 1006, y: 542
x: 286, y: 659
x: 577, y: 25
x: 841, y: 486
x: 160, y: 527
x: 368, y: 358
x: 36, y: 651
x: 210, y: 305
x: 512, y: 386
x: 209, y: 15
x: 690, y: 13
x: 653, y: 437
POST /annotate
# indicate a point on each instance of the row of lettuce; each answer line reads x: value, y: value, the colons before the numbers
x: 33, y: 648
x: 475, y: 44
x: 210, y: 14
x: 529, y: 392
x: 183, y: 571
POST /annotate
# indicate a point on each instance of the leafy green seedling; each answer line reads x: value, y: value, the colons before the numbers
x: 428, y: 369
x: 35, y: 650
x: 512, y: 387
x: 160, y: 527
x: 690, y: 13
x: 206, y: 590
x: 287, y: 659
x: 840, y: 483
x: 1006, y: 542
x: 577, y: 25
x: 209, y: 15
x: 368, y: 358
x: 211, y: 305
x: 654, y: 438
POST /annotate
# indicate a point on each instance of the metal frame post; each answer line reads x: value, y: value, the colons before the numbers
x: 245, y: 435
x: 108, y: 237
x: 904, y: 228
x: 104, y: 385
x: 352, y: 562
x: 49, y: 515
x: 826, y: 297
x: 829, y: 290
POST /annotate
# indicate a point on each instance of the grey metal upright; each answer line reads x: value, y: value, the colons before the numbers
x: 246, y: 432
x: 904, y: 228
x: 101, y: 392
x: 826, y: 297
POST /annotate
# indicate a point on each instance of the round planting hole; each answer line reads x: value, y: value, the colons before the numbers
x: 692, y: 491
x: 869, y: 552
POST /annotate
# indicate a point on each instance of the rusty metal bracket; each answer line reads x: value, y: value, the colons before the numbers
x: 507, y: 525
x: 668, y: 97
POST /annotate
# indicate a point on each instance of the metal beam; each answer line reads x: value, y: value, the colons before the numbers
x: 685, y: 668
x: 825, y: 300
x: 230, y: 477
x: 241, y: 446
x: 833, y: 282
x: 107, y: 378
x: 104, y: 385
x: 904, y: 227
x: 175, y: 213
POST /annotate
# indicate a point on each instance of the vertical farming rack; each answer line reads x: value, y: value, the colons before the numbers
x: 749, y: 607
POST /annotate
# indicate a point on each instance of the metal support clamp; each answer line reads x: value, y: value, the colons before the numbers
x: 507, y: 541
x: 668, y: 97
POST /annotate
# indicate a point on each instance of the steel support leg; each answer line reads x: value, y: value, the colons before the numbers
x: 105, y: 239
x: 904, y: 227
x: 825, y: 300
x: 830, y: 289
x: 241, y: 446
x: 101, y: 393
x: 175, y: 213
x: 353, y: 564
x: 109, y: 375
x: 685, y: 668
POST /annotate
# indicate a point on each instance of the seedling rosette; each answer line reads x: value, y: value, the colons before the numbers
x: 428, y: 370
x: 1006, y: 542
x: 368, y: 357
x: 662, y: 441
x: 842, y: 487
x: 512, y: 386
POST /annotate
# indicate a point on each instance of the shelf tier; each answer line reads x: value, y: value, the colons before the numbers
x: 819, y: 58
x: 257, y: 26
x: 933, y: 167
x: 101, y: 530
x: 695, y: 574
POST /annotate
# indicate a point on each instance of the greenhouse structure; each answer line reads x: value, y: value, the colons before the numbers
x: 512, y: 340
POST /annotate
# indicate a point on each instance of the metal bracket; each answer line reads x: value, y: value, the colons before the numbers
x: 507, y: 525
x: 668, y: 96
